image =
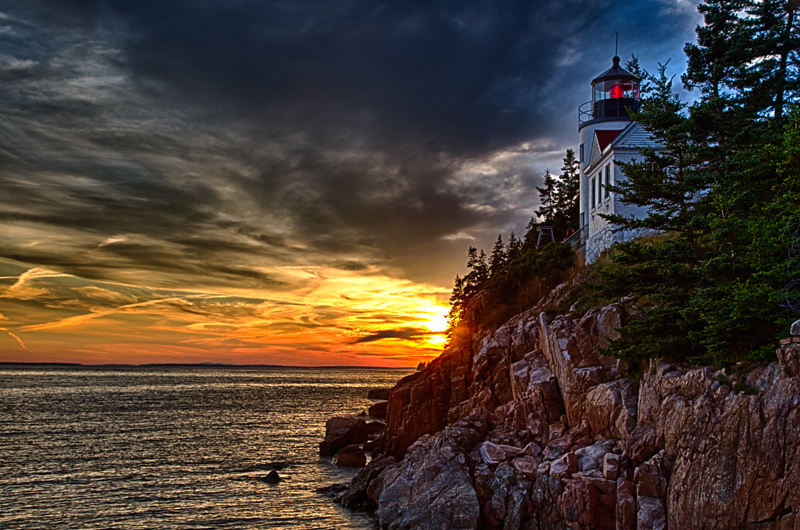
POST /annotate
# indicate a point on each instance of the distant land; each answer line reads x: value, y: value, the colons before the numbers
x: 207, y: 365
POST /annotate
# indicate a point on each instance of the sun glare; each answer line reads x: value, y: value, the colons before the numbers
x: 437, y: 322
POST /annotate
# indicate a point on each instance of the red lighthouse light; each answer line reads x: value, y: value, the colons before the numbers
x: 615, y: 92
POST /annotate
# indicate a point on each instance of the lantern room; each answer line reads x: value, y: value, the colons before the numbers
x: 614, y: 92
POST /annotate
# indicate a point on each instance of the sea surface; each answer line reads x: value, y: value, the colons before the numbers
x: 173, y: 447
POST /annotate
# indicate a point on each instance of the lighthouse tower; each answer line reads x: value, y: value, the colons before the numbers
x: 607, y: 135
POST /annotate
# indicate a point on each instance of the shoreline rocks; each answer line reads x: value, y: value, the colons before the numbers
x: 530, y: 428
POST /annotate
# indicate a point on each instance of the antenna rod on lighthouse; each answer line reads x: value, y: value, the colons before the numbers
x: 616, y: 43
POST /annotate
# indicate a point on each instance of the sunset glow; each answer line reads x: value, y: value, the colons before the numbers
x: 347, y: 319
x: 277, y: 183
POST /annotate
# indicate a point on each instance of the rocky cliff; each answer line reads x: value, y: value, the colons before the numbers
x: 529, y: 427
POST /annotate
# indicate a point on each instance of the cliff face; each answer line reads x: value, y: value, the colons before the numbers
x: 529, y: 427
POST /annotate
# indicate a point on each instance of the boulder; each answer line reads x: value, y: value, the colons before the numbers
x: 378, y: 410
x: 563, y: 467
x: 355, y: 496
x: 272, y: 477
x: 591, y: 457
x: 374, y: 428
x: 350, y: 456
x: 610, y: 408
x: 651, y: 478
x: 496, y: 453
x: 611, y: 464
x: 341, y: 432
x: 527, y: 465
x: 641, y: 444
x: 431, y: 488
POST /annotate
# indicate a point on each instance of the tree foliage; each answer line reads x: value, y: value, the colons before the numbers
x: 723, y: 191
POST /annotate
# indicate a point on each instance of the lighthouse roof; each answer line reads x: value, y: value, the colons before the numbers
x: 615, y: 72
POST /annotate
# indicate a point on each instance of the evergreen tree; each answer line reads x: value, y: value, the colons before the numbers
x: 547, y: 198
x: 720, y: 192
x: 514, y: 248
x: 499, y: 257
x: 567, y: 191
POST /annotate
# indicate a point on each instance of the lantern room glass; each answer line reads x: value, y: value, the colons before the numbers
x: 616, y: 89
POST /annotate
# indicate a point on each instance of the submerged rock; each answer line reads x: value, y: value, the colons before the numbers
x: 272, y: 477
x: 350, y: 456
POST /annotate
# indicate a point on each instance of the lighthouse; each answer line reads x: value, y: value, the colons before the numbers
x: 607, y: 135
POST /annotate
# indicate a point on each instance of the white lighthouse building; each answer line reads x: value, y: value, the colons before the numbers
x: 607, y: 136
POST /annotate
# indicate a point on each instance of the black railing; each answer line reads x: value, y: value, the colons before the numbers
x: 585, y: 113
x: 578, y: 239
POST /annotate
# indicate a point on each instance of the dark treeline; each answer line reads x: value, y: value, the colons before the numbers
x: 517, y: 274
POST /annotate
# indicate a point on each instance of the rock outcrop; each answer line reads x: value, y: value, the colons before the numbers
x: 530, y: 427
x: 341, y: 432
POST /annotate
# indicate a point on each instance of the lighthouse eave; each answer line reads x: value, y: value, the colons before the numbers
x: 596, y: 121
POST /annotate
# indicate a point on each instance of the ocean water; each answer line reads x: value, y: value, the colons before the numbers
x: 174, y: 447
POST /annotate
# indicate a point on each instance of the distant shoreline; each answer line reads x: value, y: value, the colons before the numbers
x: 201, y: 365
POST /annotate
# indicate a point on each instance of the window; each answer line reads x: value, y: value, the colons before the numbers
x: 593, y: 196
x: 599, y: 188
x: 581, y: 154
x: 608, y: 179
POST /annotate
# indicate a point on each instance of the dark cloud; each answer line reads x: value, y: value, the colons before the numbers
x: 404, y: 334
x: 216, y: 139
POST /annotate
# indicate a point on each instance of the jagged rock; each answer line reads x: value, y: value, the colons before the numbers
x: 272, y: 477
x: 591, y: 457
x: 532, y: 449
x: 355, y: 496
x: 651, y: 514
x: 431, y: 488
x: 494, y: 453
x: 641, y: 444
x: 589, y: 502
x: 575, y: 367
x: 789, y: 358
x: 626, y: 505
x: 378, y: 410
x: 566, y: 465
x: 703, y: 448
x: 610, y: 408
x: 527, y: 465
x: 350, y: 456
x: 652, y: 476
x: 341, y: 432
x: 732, y: 446
x: 419, y: 404
x: 611, y: 466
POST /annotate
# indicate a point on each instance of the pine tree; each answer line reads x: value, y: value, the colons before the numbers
x: 499, y: 257
x: 719, y: 192
x: 547, y: 198
x: 567, y: 192
x: 514, y: 248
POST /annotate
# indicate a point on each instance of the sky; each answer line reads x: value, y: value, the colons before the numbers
x: 290, y: 182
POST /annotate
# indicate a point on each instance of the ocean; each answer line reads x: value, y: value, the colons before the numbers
x: 174, y: 447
